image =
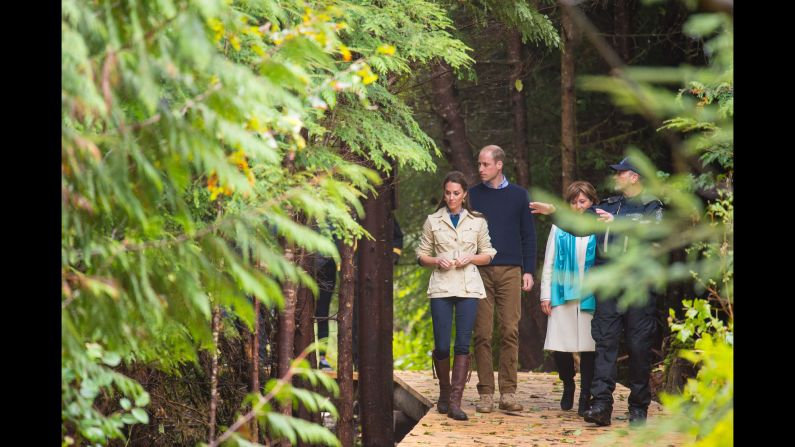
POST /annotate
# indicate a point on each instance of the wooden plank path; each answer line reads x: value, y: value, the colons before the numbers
x: 541, y: 423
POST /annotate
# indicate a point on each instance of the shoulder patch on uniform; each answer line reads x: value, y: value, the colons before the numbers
x: 648, y: 198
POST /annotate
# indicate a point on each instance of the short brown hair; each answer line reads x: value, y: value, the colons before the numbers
x: 496, y: 152
x: 575, y: 188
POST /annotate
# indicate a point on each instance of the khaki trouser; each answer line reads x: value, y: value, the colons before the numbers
x: 504, y: 291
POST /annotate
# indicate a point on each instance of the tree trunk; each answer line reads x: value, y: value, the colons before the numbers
x: 568, y: 128
x: 518, y: 107
x: 344, y: 348
x: 304, y: 314
x: 304, y: 336
x: 216, y: 327
x: 255, y: 366
x: 456, y: 146
x: 621, y: 26
x: 287, y: 323
x: 375, y: 321
x: 286, y: 340
x: 533, y: 331
x: 532, y: 324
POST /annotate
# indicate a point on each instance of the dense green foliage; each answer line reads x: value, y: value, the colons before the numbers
x: 702, y: 110
x: 198, y: 139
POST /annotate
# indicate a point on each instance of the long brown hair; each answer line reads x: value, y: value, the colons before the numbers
x: 458, y: 177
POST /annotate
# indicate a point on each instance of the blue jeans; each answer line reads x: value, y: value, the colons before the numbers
x: 442, y: 315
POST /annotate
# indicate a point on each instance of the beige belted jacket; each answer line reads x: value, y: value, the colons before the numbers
x: 440, y: 239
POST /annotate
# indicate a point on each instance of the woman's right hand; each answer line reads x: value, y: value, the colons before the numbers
x: 445, y: 264
x: 542, y: 208
x: 546, y: 307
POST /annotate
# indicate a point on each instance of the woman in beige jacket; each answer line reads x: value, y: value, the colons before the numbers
x: 454, y: 241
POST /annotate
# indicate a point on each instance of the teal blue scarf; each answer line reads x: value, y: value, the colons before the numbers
x: 565, y: 273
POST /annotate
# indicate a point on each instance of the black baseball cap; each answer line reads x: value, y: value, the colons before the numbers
x: 625, y: 165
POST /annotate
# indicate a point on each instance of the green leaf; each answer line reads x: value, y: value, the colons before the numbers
x: 700, y: 25
x: 111, y: 358
x: 125, y: 403
x: 94, y: 434
x: 142, y: 400
x: 129, y: 419
x: 140, y: 415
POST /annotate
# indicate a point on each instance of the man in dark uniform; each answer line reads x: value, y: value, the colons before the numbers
x: 638, y: 322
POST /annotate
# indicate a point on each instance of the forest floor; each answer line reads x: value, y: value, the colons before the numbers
x: 540, y: 423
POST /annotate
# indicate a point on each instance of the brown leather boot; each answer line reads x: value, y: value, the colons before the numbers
x: 459, y: 379
x: 442, y: 370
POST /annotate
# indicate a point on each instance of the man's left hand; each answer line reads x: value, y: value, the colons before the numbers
x: 527, y: 282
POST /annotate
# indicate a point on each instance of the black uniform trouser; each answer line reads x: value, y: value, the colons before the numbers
x: 326, y: 281
x: 639, y: 326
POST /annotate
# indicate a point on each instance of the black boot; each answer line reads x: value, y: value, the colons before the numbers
x: 599, y: 414
x: 637, y: 416
x: 442, y: 369
x: 586, y: 376
x: 459, y: 378
x: 565, y: 363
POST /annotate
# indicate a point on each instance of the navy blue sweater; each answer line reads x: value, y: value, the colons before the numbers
x: 511, y: 226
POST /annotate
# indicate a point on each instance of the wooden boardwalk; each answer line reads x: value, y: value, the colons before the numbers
x: 541, y: 423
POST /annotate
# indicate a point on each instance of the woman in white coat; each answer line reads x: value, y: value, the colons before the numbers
x: 566, y: 259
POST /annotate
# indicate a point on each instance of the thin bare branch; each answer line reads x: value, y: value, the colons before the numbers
x: 285, y: 380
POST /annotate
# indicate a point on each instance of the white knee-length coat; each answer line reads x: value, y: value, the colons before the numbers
x: 568, y: 328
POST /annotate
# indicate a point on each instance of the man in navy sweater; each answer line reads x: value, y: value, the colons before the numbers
x: 513, y: 234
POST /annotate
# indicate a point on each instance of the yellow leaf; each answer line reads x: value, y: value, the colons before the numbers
x: 218, y: 29
x: 386, y: 49
x: 235, y: 41
x: 368, y: 77
x: 321, y: 39
x: 518, y: 85
x: 346, y: 53
x: 215, y: 24
x: 238, y: 158
x: 300, y: 142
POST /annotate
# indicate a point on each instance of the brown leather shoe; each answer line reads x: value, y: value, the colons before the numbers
x: 442, y: 370
x: 459, y: 378
x: 485, y: 404
x: 508, y: 402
